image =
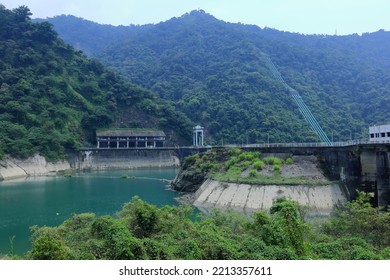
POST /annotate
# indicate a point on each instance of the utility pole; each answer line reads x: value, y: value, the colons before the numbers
x: 268, y: 138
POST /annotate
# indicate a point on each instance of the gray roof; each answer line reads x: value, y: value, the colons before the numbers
x: 130, y: 133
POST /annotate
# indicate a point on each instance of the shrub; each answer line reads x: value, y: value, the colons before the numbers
x: 259, y: 165
x: 190, y: 160
x: 242, y: 156
x: 231, y: 162
x: 277, y: 169
x: 244, y: 165
x: 272, y: 161
x: 289, y: 160
x: 249, y: 156
x: 47, y: 245
x: 253, y: 173
x: 235, y: 152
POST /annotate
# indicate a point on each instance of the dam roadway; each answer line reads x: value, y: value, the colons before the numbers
x: 357, y: 165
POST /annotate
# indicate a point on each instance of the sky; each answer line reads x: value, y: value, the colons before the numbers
x: 341, y: 17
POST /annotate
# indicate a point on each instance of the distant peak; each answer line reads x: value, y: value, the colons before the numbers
x: 198, y: 11
x: 198, y: 14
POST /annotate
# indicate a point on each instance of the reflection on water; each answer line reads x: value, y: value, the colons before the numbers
x: 50, y: 200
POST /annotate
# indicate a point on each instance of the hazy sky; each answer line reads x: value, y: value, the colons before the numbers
x: 303, y: 16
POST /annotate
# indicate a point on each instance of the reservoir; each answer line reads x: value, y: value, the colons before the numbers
x: 51, y: 200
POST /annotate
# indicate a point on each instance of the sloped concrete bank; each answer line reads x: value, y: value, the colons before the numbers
x: 318, y: 200
x: 11, y: 168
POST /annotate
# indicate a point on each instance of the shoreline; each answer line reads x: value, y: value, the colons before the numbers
x: 38, y: 166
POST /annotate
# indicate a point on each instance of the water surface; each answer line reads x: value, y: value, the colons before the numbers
x: 50, y: 200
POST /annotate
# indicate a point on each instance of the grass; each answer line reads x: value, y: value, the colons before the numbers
x: 233, y: 175
x: 227, y: 166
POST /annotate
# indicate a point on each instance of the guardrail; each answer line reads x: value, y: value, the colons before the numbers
x: 307, y: 145
x: 262, y: 145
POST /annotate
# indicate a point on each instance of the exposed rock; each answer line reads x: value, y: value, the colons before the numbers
x: 188, y: 180
x: 11, y: 168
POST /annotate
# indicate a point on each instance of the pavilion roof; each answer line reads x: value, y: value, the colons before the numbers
x: 130, y: 133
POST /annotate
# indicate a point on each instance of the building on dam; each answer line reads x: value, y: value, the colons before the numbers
x: 129, y: 138
x: 380, y: 133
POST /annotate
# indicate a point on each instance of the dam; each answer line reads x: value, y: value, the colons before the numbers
x: 357, y: 166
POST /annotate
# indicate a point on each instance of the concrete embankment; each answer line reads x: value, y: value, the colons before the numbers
x: 318, y: 200
x: 124, y: 159
x: 11, y: 168
x: 319, y: 197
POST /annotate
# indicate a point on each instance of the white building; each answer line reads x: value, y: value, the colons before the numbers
x: 379, y: 133
x: 129, y: 138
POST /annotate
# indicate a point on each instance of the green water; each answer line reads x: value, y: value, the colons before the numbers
x: 50, y: 200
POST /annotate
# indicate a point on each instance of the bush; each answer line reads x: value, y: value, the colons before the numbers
x: 115, y: 239
x: 277, y: 169
x: 190, y: 160
x: 272, y: 161
x: 259, y: 165
x: 235, y: 152
x: 242, y: 156
x: 289, y: 160
x: 244, y: 165
x: 253, y: 173
x: 231, y: 162
x: 47, y: 245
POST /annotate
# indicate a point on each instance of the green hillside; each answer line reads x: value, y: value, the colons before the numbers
x: 215, y: 73
x: 53, y: 98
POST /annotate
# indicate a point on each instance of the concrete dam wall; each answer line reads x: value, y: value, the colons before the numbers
x: 100, y: 159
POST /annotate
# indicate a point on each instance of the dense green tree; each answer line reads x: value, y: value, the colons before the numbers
x: 361, y: 219
x: 144, y: 231
x: 52, y: 98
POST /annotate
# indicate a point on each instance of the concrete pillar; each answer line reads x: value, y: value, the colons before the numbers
x: 127, y: 144
x: 117, y: 144
x: 98, y: 144
x: 383, y: 178
x: 194, y: 140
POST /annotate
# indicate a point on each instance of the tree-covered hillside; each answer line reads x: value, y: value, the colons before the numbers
x: 215, y: 72
x: 52, y: 98
x: 89, y: 36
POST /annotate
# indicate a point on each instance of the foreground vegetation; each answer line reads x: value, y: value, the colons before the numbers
x: 143, y: 231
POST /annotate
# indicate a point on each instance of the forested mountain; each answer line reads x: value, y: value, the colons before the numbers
x: 53, y: 98
x: 216, y: 73
x: 89, y: 36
